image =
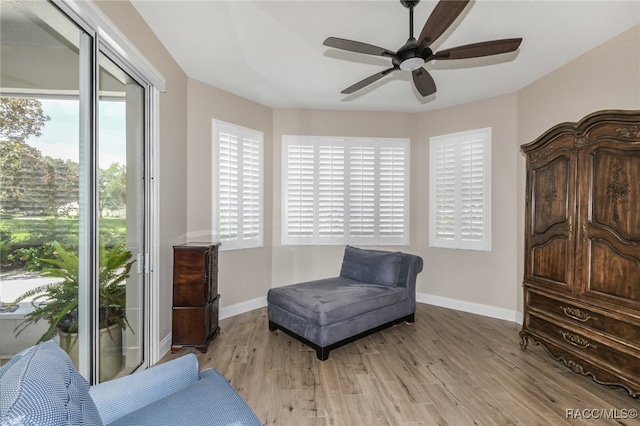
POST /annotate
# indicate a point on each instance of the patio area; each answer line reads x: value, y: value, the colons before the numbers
x: 12, y: 285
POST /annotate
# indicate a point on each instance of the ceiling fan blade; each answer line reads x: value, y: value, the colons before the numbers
x: 356, y: 46
x: 367, y: 81
x: 445, y: 12
x: 476, y: 50
x: 424, y: 82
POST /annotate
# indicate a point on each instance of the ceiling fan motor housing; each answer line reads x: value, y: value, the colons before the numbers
x: 409, y: 58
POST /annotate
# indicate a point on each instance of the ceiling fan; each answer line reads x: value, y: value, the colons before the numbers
x: 415, y: 53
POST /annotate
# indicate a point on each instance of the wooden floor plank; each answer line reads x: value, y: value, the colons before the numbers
x: 449, y: 368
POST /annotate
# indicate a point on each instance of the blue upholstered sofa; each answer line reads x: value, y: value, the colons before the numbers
x: 40, y: 386
x: 375, y: 289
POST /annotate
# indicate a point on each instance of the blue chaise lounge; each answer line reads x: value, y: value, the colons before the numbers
x: 375, y: 289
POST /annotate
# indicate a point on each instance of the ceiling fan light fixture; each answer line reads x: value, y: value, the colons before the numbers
x: 411, y: 64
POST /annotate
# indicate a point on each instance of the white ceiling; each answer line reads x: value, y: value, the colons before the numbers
x: 271, y: 51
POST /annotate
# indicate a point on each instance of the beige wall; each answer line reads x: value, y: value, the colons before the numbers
x: 486, y: 278
x: 490, y: 279
x: 243, y: 274
x: 172, y: 173
x: 607, y: 77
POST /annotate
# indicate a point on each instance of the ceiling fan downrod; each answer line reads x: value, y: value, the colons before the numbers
x: 408, y: 59
x: 410, y: 4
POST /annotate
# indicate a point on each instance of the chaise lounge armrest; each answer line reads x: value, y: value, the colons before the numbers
x: 119, y: 397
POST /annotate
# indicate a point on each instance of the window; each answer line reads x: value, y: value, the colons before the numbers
x: 345, y: 190
x: 237, y: 186
x: 460, y: 190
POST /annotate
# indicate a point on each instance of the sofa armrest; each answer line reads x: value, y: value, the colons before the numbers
x: 410, y: 267
x: 121, y: 396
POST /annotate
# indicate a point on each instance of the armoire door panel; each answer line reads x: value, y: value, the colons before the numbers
x: 615, y: 192
x: 614, y: 272
x: 549, y: 260
x: 550, y: 195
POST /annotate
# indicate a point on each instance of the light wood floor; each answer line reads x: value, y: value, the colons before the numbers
x: 449, y: 368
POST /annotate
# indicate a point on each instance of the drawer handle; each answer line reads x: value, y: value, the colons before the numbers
x: 577, y: 314
x: 576, y: 340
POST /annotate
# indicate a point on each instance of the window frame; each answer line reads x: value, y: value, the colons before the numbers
x: 241, y: 134
x: 379, y: 226
x: 455, y: 142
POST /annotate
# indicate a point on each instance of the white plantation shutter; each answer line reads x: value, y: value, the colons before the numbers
x: 362, y: 191
x: 251, y: 188
x: 460, y: 186
x: 345, y: 190
x: 472, y: 203
x: 228, y: 184
x: 392, y: 200
x: 330, y: 200
x: 300, y: 192
x: 443, y: 204
x: 237, y: 186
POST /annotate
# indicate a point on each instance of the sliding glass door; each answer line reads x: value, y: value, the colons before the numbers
x: 121, y: 218
x: 72, y: 193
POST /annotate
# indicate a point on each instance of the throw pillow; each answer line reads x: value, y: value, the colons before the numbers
x: 371, y: 266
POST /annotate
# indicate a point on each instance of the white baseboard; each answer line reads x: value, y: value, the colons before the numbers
x: 459, y: 305
x: 225, y: 312
x: 471, y: 307
x: 429, y: 299
x: 519, y: 317
x: 164, y: 347
x: 242, y: 307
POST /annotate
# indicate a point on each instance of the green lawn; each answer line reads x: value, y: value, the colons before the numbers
x: 21, y: 228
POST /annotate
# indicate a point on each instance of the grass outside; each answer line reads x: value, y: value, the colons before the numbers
x: 21, y: 228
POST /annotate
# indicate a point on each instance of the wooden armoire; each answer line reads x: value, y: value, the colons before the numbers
x: 582, y: 246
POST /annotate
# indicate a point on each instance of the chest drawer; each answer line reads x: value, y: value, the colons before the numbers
x: 587, y: 347
x: 620, y: 328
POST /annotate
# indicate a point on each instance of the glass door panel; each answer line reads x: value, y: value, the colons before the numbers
x: 42, y: 210
x: 121, y: 220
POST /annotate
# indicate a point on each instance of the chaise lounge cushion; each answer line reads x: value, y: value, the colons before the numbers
x: 40, y: 386
x: 332, y: 300
x: 370, y: 266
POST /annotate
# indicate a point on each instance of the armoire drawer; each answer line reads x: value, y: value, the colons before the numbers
x: 574, y: 313
x: 586, y: 346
